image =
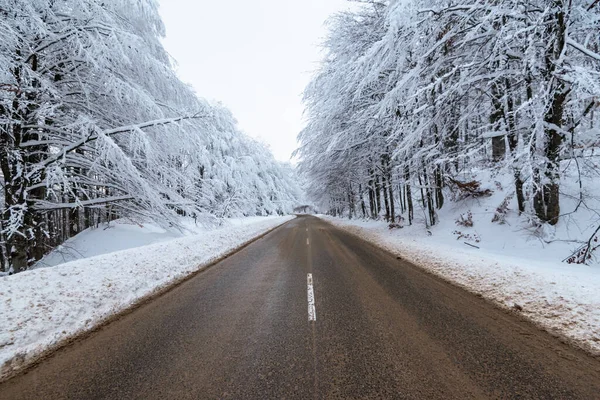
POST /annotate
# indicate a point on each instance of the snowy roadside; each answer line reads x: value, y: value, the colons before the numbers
x: 124, y: 234
x: 45, y: 307
x: 562, y: 298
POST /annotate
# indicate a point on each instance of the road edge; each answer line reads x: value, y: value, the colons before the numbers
x: 21, y: 364
x: 561, y: 336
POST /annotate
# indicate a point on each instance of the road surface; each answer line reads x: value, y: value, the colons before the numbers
x: 381, y: 329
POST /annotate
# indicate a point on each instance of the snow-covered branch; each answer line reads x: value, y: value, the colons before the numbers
x: 85, y: 87
x: 46, y: 205
x: 583, y: 49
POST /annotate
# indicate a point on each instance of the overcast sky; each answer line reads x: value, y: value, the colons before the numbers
x: 255, y: 56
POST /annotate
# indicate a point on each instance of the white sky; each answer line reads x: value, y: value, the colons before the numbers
x: 255, y: 56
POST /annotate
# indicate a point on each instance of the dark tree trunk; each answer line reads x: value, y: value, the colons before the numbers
x: 392, y: 205
x: 4, y: 257
x: 428, y: 192
x: 408, y: 195
x: 351, y: 207
x: 513, y: 142
x: 401, y: 199
x: 362, y: 201
x: 547, y: 198
x: 385, y: 197
x: 520, y: 193
x: 422, y: 192
x: 498, y: 142
x: 372, y: 204
x: 25, y: 245
x: 439, y: 187
x: 390, y: 188
x: 377, y: 195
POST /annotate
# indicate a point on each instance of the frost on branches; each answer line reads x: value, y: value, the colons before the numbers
x: 414, y: 96
x: 94, y: 124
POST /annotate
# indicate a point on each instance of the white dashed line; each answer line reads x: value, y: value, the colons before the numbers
x: 312, y: 311
x: 307, y: 242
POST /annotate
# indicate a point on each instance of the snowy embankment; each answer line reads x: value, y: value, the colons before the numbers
x: 45, y: 307
x: 124, y: 234
x: 562, y: 298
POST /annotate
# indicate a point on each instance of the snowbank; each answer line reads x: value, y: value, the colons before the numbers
x: 43, y: 308
x: 124, y: 234
x: 562, y: 298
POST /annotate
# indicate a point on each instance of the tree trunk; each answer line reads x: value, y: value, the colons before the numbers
x: 392, y: 205
x: 351, y: 208
x: 390, y: 186
x: 372, y: 204
x: 401, y: 199
x: 430, y: 205
x: 498, y: 142
x: 513, y: 143
x: 439, y: 186
x: 386, y: 200
x: 363, y: 207
x: 547, y: 198
x: 5, y: 263
x: 408, y: 194
x: 377, y: 196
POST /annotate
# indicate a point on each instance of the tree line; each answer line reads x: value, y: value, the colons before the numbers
x: 95, y: 125
x: 414, y: 95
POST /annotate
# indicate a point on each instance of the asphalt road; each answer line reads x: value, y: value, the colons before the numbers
x: 384, y: 330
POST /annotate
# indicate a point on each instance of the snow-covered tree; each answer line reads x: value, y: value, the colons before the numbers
x: 94, y: 124
x: 413, y: 93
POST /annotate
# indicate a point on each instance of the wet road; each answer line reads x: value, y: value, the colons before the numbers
x: 384, y: 330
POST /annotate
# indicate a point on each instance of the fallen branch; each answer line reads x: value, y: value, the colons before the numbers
x: 464, y: 190
x: 584, y: 252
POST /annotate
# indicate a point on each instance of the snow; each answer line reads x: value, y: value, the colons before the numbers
x: 510, y: 268
x: 45, y: 307
x: 123, y: 234
x: 119, y: 235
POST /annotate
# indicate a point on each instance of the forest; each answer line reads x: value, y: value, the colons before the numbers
x: 95, y: 125
x: 421, y: 103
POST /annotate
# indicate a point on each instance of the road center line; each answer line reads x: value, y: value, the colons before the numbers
x: 312, y: 311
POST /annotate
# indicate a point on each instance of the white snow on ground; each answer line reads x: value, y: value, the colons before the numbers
x: 125, y: 234
x: 563, y: 298
x: 43, y: 307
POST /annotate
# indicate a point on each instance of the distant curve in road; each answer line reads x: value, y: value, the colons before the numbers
x: 382, y: 329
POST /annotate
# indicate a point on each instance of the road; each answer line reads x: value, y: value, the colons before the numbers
x: 384, y: 329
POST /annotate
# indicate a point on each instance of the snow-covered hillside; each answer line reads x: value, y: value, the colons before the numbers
x: 127, y: 233
x: 499, y: 229
x: 44, y: 307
